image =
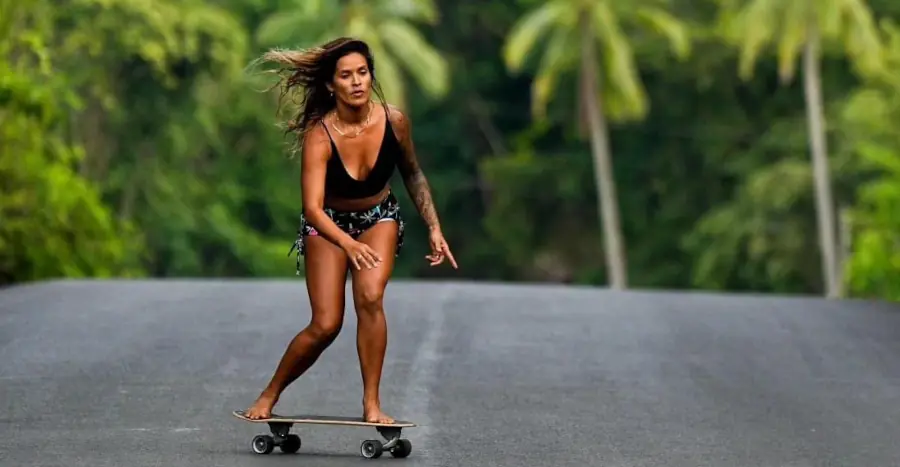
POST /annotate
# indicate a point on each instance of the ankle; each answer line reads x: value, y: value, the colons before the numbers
x: 371, y: 402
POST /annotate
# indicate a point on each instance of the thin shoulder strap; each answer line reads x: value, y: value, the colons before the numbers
x: 334, y: 149
x: 325, y: 126
x: 388, y: 126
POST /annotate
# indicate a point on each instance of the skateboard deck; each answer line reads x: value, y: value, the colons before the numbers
x: 280, y: 426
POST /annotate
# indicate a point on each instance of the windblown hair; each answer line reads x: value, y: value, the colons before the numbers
x: 306, y: 72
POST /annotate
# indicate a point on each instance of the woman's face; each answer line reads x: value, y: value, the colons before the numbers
x: 352, y: 80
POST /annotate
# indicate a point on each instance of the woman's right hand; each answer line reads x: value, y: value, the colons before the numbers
x: 362, y: 255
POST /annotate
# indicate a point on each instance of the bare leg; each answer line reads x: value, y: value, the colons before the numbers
x: 371, y: 337
x: 326, y: 272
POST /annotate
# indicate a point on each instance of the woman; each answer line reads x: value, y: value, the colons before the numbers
x: 350, y: 146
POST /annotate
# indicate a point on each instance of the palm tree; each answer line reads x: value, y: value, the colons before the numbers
x: 588, y: 36
x: 797, y: 26
x: 386, y: 25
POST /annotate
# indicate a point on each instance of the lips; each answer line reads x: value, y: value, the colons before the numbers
x: 357, y: 93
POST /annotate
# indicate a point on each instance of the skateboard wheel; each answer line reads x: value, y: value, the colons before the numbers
x: 402, y: 449
x: 291, y: 444
x: 263, y: 444
x: 371, y: 449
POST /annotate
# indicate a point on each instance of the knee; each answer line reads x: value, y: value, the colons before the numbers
x: 368, y: 299
x: 325, y: 330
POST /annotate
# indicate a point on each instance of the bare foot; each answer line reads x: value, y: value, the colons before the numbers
x: 373, y: 414
x: 262, y: 408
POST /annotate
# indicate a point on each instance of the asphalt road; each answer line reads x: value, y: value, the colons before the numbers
x: 137, y: 374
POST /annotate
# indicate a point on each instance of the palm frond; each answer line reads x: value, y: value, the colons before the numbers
x: 797, y: 17
x: 665, y: 24
x: 420, y: 11
x: 561, y: 54
x: 528, y: 30
x: 410, y: 48
x: 625, y: 97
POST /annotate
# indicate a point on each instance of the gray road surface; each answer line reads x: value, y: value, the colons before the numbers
x: 132, y: 374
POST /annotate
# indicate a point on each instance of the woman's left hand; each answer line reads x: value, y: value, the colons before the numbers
x: 440, y: 249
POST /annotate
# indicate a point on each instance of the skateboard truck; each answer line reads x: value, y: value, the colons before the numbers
x: 397, y: 446
x: 290, y: 443
x: 281, y: 436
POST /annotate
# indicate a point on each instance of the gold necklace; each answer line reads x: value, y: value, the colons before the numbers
x: 361, y: 127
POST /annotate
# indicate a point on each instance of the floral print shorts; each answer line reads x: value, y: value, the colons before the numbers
x: 354, y: 223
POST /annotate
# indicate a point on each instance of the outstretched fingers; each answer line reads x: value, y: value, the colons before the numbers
x: 438, y: 256
x: 446, y: 251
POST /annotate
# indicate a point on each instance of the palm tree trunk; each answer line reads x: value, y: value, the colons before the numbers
x: 845, y: 241
x: 824, y: 204
x: 609, y: 211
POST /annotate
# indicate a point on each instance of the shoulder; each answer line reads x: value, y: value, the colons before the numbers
x: 398, y: 118
x: 316, y: 142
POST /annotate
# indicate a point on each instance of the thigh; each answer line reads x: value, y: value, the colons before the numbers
x: 369, y: 284
x: 326, y: 277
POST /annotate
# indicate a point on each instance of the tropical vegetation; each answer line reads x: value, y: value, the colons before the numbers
x: 734, y: 145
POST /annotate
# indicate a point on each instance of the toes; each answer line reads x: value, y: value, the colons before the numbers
x: 254, y: 415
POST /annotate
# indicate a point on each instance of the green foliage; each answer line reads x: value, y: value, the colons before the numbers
x: 762, y: 238
x: 874, y: 269
x: 846, y: 25
x: 874, y: 266
x: 388, y: 26
x: 53, y: 222
x: 610, y: 24
x: 150, y: 150
x: 539, y: 201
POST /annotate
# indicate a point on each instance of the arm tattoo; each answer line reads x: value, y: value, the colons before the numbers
x: 413, y: 177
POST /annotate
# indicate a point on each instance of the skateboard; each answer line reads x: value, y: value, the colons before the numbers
x: 289, y: 443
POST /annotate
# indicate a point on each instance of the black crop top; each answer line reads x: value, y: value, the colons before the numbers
x: 340, y: 184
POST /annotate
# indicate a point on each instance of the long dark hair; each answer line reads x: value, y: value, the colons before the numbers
x: 310, y: 70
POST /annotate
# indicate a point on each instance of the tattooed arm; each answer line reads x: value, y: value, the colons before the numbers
x: 413, y: 177
x: 419, y: 191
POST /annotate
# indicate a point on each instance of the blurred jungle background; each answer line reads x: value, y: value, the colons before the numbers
x: 733, y: 145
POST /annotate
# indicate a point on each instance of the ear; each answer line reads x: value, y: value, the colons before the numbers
x: 329, y: 87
